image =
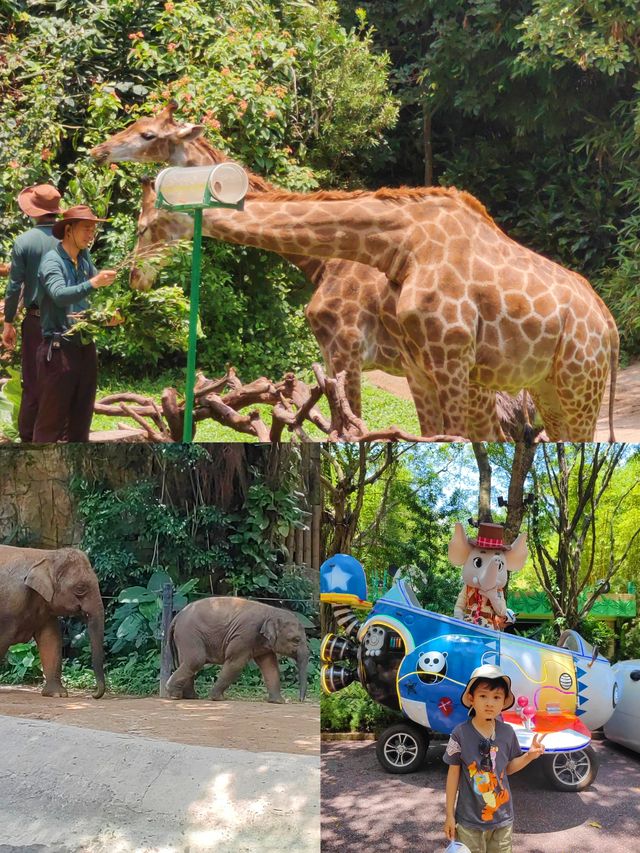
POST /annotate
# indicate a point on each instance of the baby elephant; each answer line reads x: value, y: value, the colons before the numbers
x: 232, y: 631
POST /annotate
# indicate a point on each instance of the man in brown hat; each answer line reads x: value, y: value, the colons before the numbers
x: 67, y: 365
x: 42, y: 203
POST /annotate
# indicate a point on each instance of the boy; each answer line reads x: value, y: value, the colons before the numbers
x: 481, y: 753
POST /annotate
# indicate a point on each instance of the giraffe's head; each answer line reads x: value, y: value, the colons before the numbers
x: 157, y: 230
x: 151, y: 139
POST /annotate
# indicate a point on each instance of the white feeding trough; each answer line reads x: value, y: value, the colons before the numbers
x: 192, y: 187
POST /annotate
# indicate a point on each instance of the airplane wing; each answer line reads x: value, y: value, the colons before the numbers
x: 563, y: 732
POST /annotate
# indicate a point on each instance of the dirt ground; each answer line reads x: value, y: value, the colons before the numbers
x: 626, y: 413
x: 235, y: 724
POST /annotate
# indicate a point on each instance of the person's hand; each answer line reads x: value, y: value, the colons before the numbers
x: 537, y: 747
x: 5, y: 269
x: 9, y: 336
x: 450, y: 828
x: 103, y: 278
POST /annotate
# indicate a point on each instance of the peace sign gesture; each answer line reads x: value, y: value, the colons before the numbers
x: 537, y: 747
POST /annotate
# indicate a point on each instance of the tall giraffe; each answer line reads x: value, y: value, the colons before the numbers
x: 352, y: 310
x: 476, y: 311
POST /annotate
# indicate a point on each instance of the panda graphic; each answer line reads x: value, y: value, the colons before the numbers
x: 432, y: 667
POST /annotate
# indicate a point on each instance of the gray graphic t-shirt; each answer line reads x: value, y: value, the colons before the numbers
x: 484, y: 796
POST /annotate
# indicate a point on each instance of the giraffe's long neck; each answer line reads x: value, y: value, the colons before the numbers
x: 370, y: 233
x: 200, y: 153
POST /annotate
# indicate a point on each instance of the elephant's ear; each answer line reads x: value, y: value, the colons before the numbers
x: 459, y: 548
x: 40, y: 578
x: 517, y: 556
x: 269, y: 631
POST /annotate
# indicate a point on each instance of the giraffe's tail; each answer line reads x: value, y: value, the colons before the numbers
x: 614, y: 355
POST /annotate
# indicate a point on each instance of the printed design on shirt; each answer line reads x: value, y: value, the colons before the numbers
x: 453, y: 747
x: 489, y: 786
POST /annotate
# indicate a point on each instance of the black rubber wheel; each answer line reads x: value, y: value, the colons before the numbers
x: 402, y: 748
x: 571, y: 771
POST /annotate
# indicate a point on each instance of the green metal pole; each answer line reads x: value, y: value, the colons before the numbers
x: 196, y: 262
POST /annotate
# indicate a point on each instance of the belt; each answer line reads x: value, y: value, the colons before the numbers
x: 34, y: 311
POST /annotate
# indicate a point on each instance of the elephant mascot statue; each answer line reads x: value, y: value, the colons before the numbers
x: 232, y: 631
x: 36, y: 587
x: 485, y: 563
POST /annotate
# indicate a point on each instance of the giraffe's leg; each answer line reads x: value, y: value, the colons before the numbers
x: 341, y: 352
x: 452, y: 383
x: 425, y: 399
x: 580, y: 397
x: 483, y: 423
x: 551, y: 411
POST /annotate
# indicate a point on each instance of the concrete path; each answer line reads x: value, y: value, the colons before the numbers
x: 70, y: 790
x: 365, y: 809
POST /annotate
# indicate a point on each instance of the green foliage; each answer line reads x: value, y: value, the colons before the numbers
x: 598, y: 633
x: 353, y: 710
x: 259, y: 531
x: 10, y: 397
x: 630, y: 645
x: 284, y: 89
x: 21, y: 664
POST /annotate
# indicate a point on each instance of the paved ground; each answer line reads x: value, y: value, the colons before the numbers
x: 234, y: 724
x: 365, y: 809
x: 65, y: 789
x: 627, y: 406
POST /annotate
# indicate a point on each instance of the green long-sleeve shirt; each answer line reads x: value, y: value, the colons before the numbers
x: 26, y: 256
x: 63, y: 289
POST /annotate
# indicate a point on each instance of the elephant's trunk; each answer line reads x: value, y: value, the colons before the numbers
x: 303, y: 665
x: 95, y: 624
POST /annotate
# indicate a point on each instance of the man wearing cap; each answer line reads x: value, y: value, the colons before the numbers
x: 42, y: 203
x: 67, y: 367
x: 482, y: 752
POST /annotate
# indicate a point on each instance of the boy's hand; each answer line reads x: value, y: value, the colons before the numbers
x: 537, y: 747
x: 450, y: 828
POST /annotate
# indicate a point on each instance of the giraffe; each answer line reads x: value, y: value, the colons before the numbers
x: 352, y: 310
x: 476, y: 311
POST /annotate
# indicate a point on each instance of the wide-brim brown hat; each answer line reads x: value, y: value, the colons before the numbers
x: 78, y: 213
x: 491, y: 537
x: 486, y: 672
x: 40, y: 200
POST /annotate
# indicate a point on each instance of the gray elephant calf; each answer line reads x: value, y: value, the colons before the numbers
x: 233, y: 631
x: 36, y: 587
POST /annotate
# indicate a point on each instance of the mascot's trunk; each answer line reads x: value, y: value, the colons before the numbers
x: 303, y: 664
x: 95, y: 625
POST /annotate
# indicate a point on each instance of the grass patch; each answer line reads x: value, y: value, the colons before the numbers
x: 379, y: 409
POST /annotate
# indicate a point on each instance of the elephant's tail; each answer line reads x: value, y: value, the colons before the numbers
x: 172, y: 645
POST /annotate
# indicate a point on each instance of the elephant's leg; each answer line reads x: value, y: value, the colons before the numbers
x: 269, y: 667
x: 49, y: 642
x: 189, y: 689
x: 180, y: 685
x: 230, y: 671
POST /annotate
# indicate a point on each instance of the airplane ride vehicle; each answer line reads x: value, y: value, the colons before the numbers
x: 418, y: 662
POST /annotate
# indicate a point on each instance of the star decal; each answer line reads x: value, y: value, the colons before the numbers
x: 337, y: 580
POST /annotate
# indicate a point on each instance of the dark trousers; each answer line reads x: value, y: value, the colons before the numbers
x: 67, y: 391
x: 31, y: 340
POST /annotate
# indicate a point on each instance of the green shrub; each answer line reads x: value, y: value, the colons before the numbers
x: 598, y: 633
x: 353, y: 710
x: 630, y: 645
x: 21, y: 664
